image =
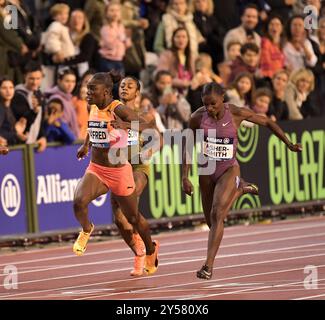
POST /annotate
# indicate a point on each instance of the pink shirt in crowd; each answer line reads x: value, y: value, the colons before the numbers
x: 113, y: 42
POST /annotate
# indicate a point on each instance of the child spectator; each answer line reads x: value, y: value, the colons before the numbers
x: 204, y: 74
x: 224, y: 68
x: 56, y: 129
x: 113, y: 40
x: 261, y: 102
x: 57, y: 41
x: 65, y: 85
x: 247, y: 62
x: 241, y: 93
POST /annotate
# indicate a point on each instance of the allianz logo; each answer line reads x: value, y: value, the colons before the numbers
x: 10, y: 195
x: 52, y: 189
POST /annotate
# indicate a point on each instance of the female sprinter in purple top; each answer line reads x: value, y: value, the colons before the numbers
x: 221, y: 188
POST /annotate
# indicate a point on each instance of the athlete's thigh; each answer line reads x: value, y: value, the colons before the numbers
x: 207, y: 189
x: 225, y: 190
x: 140, y: 180
x: 128, y: 204
x: 89, y: 188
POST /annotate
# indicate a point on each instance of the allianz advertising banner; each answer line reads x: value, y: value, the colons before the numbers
x: 57, y: 173
x: 13, y: 214
x: 283, y: 177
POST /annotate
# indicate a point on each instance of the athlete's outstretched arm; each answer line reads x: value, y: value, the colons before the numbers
x: 246, y: 114
x: 126, y: 116
x: 188, y: 152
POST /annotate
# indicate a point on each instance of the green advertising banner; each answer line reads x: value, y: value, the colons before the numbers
x: 283, y: 177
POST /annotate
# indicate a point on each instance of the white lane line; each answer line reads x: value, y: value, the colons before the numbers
x: 201, y: 296
x: 93, y: 245
x: 310, y: 297
x: 256, y: 290
x: 152, y: 277
x: 162, y: 254
x: 106, y: 261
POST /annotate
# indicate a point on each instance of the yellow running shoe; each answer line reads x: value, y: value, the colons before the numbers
x: 80, y: 244
x: 139, y: 259
x: 151, y: 262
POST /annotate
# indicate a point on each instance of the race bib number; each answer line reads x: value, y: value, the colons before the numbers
x: 133, y: 137
x: 98, y: 134
x: 219, y: 149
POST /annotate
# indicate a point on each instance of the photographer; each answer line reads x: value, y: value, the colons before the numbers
x: 28, y: 103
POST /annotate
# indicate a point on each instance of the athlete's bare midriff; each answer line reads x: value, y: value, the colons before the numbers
x: 100, y: 157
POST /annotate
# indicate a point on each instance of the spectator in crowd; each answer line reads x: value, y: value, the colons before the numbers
x: 11, y: 46
x: 57, y: 41
x: 283, y: 8
x: 261, y: 102
x: 95, y: 11
x: 298, y: 50
x: 278, y: 106
x: 135, y: 56
x: 272, y: 56
x: 154, y: 13
x: 241, y: 93
x: 204, y: 74
x: 56, y: 129
x: 146, y: 106
x: 248, y: 61
x: 178, y: 15
x: 242, y: 90
x: 63, y: 90
x: 179, y: 60
x: 224, y: 68
x: 222, y: 11
x: 301, y: 84
x: 209, y: 28
x: 246, y: 31
x: 300, y: 5
x: 262, y: 7
x: 80, y: 104
x: 319, y: 69
x: 85, y: 44
x: 3, y: 142
x: 11, y: 131
x: 28, y: 29
x: 113, y: 40
x: 28, y: 103
x: 173, y: 108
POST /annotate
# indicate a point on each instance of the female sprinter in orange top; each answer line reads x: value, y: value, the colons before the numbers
x: 104, y: 171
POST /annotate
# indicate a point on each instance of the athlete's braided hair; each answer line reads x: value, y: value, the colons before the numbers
x: 213, y: 87
x: 108, y: 79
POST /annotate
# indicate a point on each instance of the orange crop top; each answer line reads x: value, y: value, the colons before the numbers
x: 101, y: 133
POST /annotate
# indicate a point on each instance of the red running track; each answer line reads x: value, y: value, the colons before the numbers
x: 265, y: 261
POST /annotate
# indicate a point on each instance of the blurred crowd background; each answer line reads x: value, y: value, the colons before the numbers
x: 269, y: 55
